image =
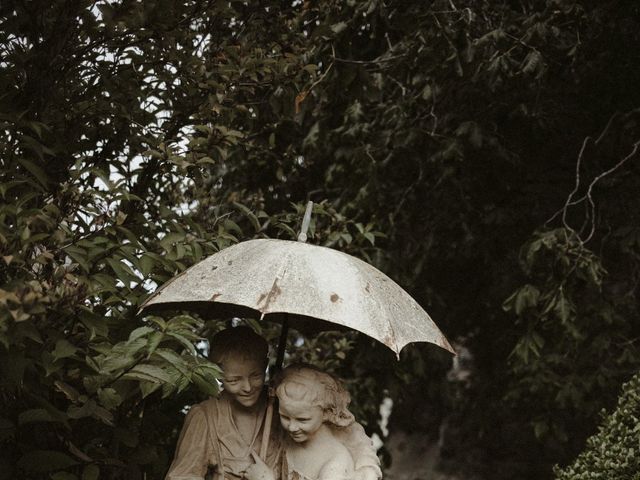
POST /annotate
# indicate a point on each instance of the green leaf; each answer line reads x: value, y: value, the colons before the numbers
x: 37, y: 415
x: 87, y: 409
x: 109, y: 398
x: 96, y: 325
x: 91, y: 472
x: 526, y: 297
x: 64, y: 476
x: 139, y: 332
x: 39, y: 461
x: 562, y: 308
x: 370, y: 237
x: 170, y: 239
x: 231, y: 226
x: 338, y: 27
x: 146, y: 264
x: 205, y: 385
x: 123, y: 271
x: 149, y: 373
x: 147, y: 387
x: 154, y: 340
x: 79, y: 255
x: 255, y: 223
x: 184, y: 341
x: 64, y: 349
x: 173, y: 359
x: 36, y: 171
x: 540, y: 429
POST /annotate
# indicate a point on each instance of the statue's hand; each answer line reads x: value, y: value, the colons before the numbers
x: 366, y: 473
x: 259, y: 470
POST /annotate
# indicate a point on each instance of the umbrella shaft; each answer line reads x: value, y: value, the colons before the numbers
x: 282, y: 344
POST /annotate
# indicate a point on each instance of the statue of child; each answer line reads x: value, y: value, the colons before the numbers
x: 313, y: 411
x: 221, y: 433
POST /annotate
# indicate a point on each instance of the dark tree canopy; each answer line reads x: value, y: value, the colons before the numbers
x: 482, y: 154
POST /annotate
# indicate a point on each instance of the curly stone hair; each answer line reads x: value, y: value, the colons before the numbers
x: 306, y: 383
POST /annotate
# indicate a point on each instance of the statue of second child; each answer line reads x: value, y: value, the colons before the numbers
x: 220, y: 434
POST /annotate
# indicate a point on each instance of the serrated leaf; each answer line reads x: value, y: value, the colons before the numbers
x: 154, y: 340
x: 205, y: 385
x: 173, y: 359
x: 149, y: 373
x: 139, y: 332
x: 184, y: 342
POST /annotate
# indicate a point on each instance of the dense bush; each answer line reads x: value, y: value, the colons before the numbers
x: 612, y: 453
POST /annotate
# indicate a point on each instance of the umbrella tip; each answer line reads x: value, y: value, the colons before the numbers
x: 302, y: 236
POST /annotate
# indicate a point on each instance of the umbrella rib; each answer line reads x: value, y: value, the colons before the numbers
x: 394, y: 340
x: 274, y: 292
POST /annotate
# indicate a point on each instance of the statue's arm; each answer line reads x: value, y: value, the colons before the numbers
x: 368, y: 473
x: 194, y: 450
x: 365, y: 459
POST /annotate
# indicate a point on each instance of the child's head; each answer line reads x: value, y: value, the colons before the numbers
x: 303, y: 387
x: 242, y: 355
x: 238, y: 343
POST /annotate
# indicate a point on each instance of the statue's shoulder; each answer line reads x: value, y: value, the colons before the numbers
x: 212, y: 401
x: 210, y: 406
x: 351, y: 434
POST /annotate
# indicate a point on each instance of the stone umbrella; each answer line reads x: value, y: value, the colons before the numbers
x: 306, y: 286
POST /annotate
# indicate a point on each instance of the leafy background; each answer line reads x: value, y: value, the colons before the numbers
x: 483, y: 154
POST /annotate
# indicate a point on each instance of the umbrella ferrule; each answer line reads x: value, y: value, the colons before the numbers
x: 302, y: 236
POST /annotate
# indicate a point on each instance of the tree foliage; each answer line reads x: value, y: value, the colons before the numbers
x: 613, y: 452
x: 480, y: 153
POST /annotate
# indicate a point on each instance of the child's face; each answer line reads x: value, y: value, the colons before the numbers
x: 243, y: 379
x: 300, y: 419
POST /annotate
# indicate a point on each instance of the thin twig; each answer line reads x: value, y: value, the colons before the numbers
x: 397, y: 82
x: 326, y: 72
x: 368, y: 62
x: 606, y: 128
x: 569, y: 203
x: 577, y: 186
x: 634, y: 150
x: 432, y: 113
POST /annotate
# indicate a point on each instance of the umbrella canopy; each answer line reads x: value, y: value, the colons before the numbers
x: 306, y: 282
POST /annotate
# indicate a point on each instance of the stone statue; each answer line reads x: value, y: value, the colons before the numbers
x: 313, y: 411
x: 221, y: 435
